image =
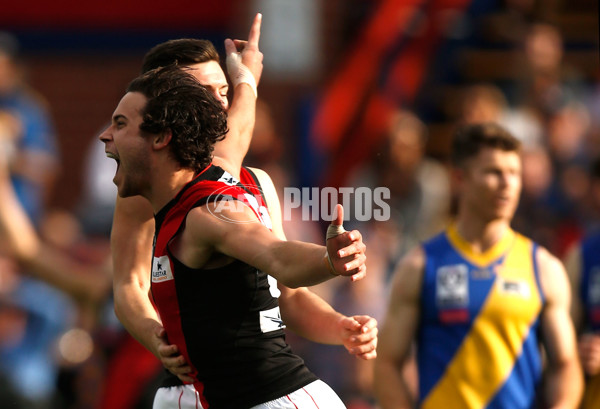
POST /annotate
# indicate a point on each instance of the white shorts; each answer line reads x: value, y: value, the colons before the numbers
x: 315, y: 395
x: 177, y: 397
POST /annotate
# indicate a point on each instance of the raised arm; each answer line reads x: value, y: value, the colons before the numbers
x: 398, y: 332
x: 244, y: 66
x: 307, y: 314
x: 564, y: 384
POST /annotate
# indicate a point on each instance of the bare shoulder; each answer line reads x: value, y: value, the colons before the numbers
x: 263, y: 177
x: 553, y: 277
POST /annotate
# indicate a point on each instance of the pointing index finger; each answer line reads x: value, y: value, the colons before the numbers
x: 254, y: 34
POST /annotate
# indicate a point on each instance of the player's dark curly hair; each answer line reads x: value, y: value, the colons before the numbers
x: 182, y: 51
x: 469, y: 139
x: 178, y: 103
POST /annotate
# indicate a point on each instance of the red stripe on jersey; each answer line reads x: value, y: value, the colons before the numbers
x: 164, y: 292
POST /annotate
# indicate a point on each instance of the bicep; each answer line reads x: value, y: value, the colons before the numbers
x: 573, y: 268
x: 402, y: 317
x: 557, y: 327
x: 131, y: 239
x: 233, y: 230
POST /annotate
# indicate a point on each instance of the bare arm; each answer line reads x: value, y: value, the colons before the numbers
x: 230, y: 152
x: 236, y: 233
x: 307, y: 314
x: 564, y: 376
x: 82, y: 282
x: 572, y: 264
x: 397, y: 333
x: 131, y: 247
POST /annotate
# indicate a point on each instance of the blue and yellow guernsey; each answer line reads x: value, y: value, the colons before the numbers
x: 589, y: 292
x: 478, y: 342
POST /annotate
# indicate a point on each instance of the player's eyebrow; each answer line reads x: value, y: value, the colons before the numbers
x: 117, y: 117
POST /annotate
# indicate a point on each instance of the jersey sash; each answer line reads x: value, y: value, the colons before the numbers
x: 478, y: 345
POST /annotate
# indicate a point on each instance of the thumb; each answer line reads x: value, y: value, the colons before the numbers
x: 339, y: 219
x: 160, y: 332
x: 350, y: 323
x: 229, y: 46
x: 336, y: 228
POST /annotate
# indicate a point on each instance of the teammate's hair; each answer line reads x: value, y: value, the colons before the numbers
x: 183, y: 51
x: 469, y: 139
x: 179, y: 104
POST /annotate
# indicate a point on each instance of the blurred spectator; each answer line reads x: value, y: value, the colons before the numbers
x: 487, y: 103
x: 35, y: 164
x: 29, y: 363
x: 97, y: 202
x: 545, y: 82
x: 419, y: 186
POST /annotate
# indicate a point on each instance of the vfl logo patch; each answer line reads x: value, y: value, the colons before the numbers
x: 452, y: 286
x: 270, y: 320
x: 161, y: 269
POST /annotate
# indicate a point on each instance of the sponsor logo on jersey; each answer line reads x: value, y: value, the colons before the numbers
x: 514, y: 287
x: 270, y: 320
x: 161, y: 269
x: 228, y: 179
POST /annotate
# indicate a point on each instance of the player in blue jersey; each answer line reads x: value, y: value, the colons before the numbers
x: 479, y: 298
x: 583, y: 266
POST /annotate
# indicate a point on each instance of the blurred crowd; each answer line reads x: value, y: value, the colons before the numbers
x: 57, y: 351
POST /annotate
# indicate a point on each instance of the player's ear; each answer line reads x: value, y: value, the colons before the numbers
x: 457, y: 176
x: 162, y: 139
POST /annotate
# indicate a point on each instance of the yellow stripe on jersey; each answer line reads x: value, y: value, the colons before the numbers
x: 489, y: 351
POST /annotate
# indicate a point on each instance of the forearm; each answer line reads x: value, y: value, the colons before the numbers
x: 136, y: 313
x: 240, y: 121
x: 298, y: 264
x: 323, y: 327
x: 391, y: 390
x: 59, y: 270
x: 564, y: 386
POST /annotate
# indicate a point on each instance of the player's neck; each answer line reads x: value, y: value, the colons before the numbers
x: 481, y: 235
x: 167, y: 185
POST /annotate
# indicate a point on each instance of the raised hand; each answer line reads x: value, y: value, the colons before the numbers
x: 345, y: 250
x: 244, y: 57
